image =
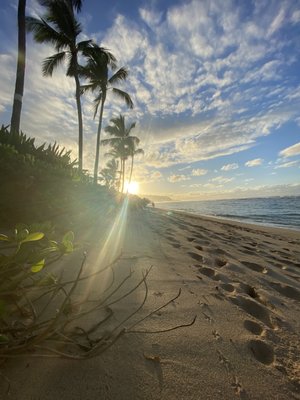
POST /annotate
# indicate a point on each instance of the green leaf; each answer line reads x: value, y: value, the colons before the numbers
x: 32, y: 237
x: 68, y: 246
x: 4, y: 237
x: 21, y: 233
x: 69, y: 237
x: 67, y: 242
x: 48, y: 280
x: 38, y: 266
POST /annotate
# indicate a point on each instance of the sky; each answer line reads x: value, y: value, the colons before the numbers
x: 215, y: 86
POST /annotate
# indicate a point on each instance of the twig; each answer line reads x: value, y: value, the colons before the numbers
x: 166, y: 330
x: 156, y: 310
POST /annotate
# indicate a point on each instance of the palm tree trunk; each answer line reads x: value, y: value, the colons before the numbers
x: 80, y: 125
x: 20, y: 75
x: 131, y: 169
x: 130, y: 175
x: 120, y: 176
x: 123, y: 175
x: 98, y: 140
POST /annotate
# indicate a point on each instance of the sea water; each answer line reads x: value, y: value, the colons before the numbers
x: 271, y: 211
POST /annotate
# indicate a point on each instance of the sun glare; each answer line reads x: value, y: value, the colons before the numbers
x: 132, y: 187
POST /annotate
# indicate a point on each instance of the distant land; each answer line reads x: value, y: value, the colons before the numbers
x: 154, y: 197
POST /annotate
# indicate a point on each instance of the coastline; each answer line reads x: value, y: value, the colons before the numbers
x: 232, y: 222
x: 281, y: 212
x: 242, y: 282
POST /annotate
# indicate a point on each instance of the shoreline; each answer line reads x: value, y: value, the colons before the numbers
x: 229, y: 220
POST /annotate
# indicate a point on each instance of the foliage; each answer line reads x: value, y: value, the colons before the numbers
x: 42, y: 183
x: 96, y: 71
x: 24, y: 262
x: 108, y: 175
x: 123, y: 144
x: 52, y: 154
x: 40, y: 312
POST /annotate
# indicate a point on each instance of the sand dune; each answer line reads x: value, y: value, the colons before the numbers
x: 243, y: 284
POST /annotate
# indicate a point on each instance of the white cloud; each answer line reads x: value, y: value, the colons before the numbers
x: 295, y: 18
x: 221, y: 179
x: 178, y: 178
x: 288, y: 164
x: 291, y: 151
x: 199, y: 172
x: 254, y: 163
x: 151, y: 17
x: 229, y: 167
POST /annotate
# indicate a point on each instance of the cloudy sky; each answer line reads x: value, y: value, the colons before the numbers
x: 215, y: 83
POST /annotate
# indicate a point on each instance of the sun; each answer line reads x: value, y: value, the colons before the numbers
x: 132, y: 187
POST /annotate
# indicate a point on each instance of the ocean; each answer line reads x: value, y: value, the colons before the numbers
x: 270, y: 211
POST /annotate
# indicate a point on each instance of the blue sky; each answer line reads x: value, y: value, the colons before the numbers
x: 216, y: 88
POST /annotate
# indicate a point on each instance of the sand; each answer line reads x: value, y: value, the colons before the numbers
x: 241, y: 281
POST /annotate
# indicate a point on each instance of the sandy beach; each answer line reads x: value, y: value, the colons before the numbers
x: 241, y: 281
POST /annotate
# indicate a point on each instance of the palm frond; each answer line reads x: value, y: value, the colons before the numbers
x: 118, y: 76
x: 44, y: 33
x: 97, y: 101
x: 61, y: 15
x: 100, y: 55
x: 112, y: 130
x: 84, y: 44
x: 128, y: 130
x: 90, y: 87
x: 52, y: 62
x: 77, y: 4
x: 124, y: 96
x: 110, y: 142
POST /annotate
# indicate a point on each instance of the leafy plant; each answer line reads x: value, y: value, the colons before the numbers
x: 40, y: 313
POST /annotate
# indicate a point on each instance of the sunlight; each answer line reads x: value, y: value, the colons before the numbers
x: 109, y: 251
x: 132, y: 187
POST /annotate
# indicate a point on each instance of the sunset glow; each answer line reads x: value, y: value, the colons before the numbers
x: 132, y: 187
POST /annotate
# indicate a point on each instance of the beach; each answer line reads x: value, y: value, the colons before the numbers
x: 240, y: 281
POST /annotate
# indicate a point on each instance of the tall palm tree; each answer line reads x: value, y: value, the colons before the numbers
x: 133, y: 151
x: 60, y: 28
x: 20, y: 75
x: 96, y: 71
x: 121, y: 141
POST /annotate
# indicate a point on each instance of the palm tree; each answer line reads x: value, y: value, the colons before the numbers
x: 96, y: 71
x: 60, y: 28
x: 20, y: 75
x: 109, y: 173
x: 133, y: 151
x: 121, y: 142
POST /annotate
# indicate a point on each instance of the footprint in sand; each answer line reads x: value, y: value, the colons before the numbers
x: 220, y: 262
x: 216, y: 335
x: 253, y: 308
x: 195, y: 256
x: 228, y: 287
x: 253, y: 327
x: 262, y: 351
x: 207, y: 271
x: 286, y: 290
x: 199, y: 248
x: 254, y: 267
x: 224, y: 360
x: 190, y: 239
